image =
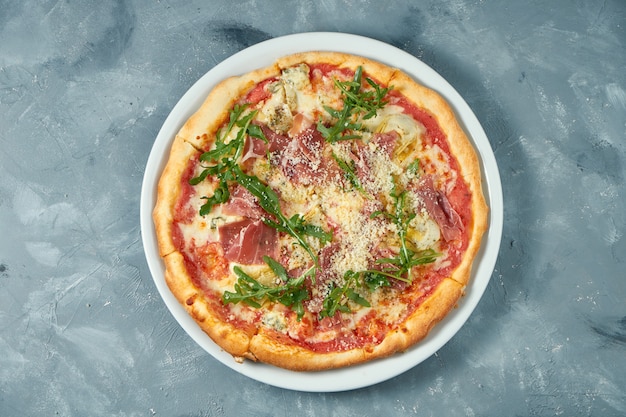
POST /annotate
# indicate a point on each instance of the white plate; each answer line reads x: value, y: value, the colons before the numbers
x: 264, y: 54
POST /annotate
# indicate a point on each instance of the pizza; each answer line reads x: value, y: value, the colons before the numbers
x: 320, y: 212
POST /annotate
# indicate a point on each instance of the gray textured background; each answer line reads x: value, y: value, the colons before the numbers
x: 84, y: 89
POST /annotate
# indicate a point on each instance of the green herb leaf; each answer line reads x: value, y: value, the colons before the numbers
x: 357, y: 102
x: 220, y: 195
x: 414, y: 166
x: 355, y: 297
x: 375, y: 279
x: 401, y: 265
x: 349, y: 170
x: 277, y: 268
x: 251, y: 292
x: 338, y: 297
x: 256, y: 132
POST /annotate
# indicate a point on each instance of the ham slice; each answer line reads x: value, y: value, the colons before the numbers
x: 303, y: 160
x: 277, y: 142
x: 253, y: 148
x: 300, y: 123
x: 363, y: 156
x: 318, y: 287
x: 439, y: 208
x: 242, y: 203
x: 386, y: 141
x: 247, y: 241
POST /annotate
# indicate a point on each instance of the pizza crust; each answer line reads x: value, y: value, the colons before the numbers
x: 267, y: 346
x: 168, y: 190
x: 262, y: 344
x: 229, y: 337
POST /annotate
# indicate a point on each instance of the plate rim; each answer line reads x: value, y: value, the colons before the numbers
x: 370, y: 373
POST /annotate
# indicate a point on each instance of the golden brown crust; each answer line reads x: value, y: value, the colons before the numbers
x: 230, y: 338
x: 443, y: 299
x: 168, y: 190
x: 215, y: 109
x: 266, y: 347
x: 262, y: 344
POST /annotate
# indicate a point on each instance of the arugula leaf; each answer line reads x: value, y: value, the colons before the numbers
x: 220, y: 195
x: 338, y: 297
x: 356, y: 102
x: 402, y: 264
x: 251, y: 292
x: 277, y: 268
x: 375, y: 279
x: 414, y: 166
x: 350, y: 172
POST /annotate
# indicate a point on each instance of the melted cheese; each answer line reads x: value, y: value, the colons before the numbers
x: 435, y: 161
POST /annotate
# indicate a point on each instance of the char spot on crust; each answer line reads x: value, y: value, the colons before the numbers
x: 197, y: 316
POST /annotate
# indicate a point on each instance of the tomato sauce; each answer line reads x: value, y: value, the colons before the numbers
x: 259, y: 92
x: 183, y: 211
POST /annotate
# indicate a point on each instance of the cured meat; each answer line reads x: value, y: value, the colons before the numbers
x: 277, y: 142
x: 386, y: 142
x: 242, y: 203
x: 303, y: 160
x: 254, y: 148
x: 300, y: 123
x: 247, y: 241
x: 440, y: 209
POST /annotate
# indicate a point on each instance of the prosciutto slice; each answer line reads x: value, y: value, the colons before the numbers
x: 318, y: 287
x: 440, y: 209
x: 385, y: 143
x: 253, y: 148
x: 242, y: 203
x: 247, y: 241
x: 303, y: 160
x: 277, y: 142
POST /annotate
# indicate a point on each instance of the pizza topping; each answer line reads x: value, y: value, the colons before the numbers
x: 247, y: 241
x: 242, y: 203
x: 290, y: 291
x: 302, y: 160
x: 208, y: 259
x: 440, y: 209
x: 254, y: 148
x: 270, y: 202
x: 276, y: 111
x: 400, y: 266
x: 226, y: 155
x: 358, y: 103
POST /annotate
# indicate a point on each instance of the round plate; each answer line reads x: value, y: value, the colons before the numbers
x: 264, y: 54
